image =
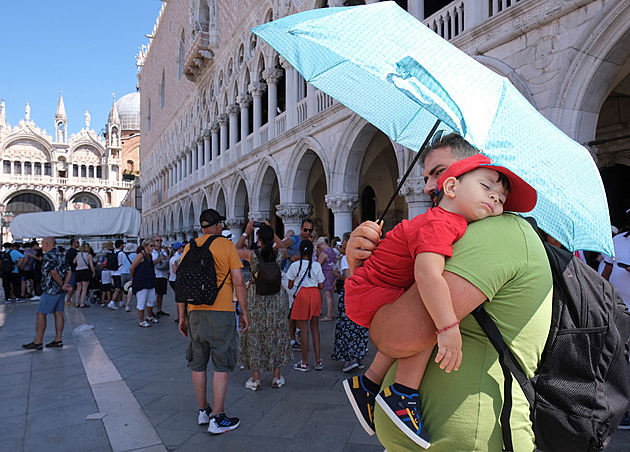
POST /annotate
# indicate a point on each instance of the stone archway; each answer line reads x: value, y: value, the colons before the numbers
x: 28, y: 202
x: 84, y: 200
x: 269, y: 198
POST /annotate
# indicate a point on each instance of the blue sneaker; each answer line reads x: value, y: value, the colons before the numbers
x: 221, y: 424
x: 404, y: 410
x: 625, y: 422
x: 362, y: 401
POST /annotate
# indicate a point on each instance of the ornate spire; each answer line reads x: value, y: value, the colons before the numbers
x: 3, y: 116
x: 61, y: 110
x: 113, y: 115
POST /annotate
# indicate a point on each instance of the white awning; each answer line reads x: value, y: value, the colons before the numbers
x: 83, y: 223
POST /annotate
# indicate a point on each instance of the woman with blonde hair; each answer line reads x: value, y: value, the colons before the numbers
x: 85, y: 272
x: 142, y: 274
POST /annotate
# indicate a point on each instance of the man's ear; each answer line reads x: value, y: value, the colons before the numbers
x: 449, y: 187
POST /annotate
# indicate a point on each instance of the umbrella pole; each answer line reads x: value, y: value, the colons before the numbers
x: 413, y: 163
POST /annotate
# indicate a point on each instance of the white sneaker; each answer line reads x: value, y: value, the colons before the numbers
x: 204, y: 416
x: 127, y: 309
x: 152, y: 319
x: 35, y: 298
x: 112, y: 305
x: 144, y: 324
x: 253, y: 385
x: 278, y: 382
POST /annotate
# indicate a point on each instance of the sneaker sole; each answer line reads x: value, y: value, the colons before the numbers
x: 400, y: 424
x: 349, y: 368
x: 355, y: 408
x: 217, y: 431
x: 623, y: 427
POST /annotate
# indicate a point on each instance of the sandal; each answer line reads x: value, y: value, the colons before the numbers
x: 54, y: 344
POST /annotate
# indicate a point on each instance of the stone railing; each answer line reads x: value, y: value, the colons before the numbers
x: 197, y: 56
x: 461, y: 15
x: 281, y: 123
x: 63, y: 181
x: 301, y: 111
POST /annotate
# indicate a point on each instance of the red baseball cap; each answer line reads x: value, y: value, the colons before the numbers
x: 522, y: 196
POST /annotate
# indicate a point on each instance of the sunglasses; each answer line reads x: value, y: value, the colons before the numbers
x: 307, y: 230
x: 158, y: 240
x: 437, y: 137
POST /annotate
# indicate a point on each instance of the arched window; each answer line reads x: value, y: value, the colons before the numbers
x: 75, y: 170
x: 162, y: 90
x: 91, y: 171
x: 181, y: 54
x: 28, y: 202
x: 47, y: 169
x: 99, y: 172
x: 83, y: 171
x: 149, y: 115
x: 129, y: 165
x: 6, y: 165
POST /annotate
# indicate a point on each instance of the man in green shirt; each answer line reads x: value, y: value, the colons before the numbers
x: 499, y: 259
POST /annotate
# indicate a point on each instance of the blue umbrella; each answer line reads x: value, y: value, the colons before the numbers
x: 382, y: 63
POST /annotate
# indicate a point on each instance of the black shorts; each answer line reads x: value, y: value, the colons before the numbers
x: 106, y: 287
x: 26, y: 274
x: 161, y: 286
x: 117, y: 281
x: 84, y: 275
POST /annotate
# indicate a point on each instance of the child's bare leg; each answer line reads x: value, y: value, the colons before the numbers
x: 303, y: 326
x: 411, y: 370
x: 379, y: 368
x: 315, y: 337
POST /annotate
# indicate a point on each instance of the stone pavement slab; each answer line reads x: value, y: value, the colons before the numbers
x: 119, y: 387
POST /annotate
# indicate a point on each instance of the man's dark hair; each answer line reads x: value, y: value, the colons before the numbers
x: 460, y: 148
x: 118, y: 243
x: 307, y: 220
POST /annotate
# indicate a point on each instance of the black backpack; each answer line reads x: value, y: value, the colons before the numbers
x: 196, y: 281
x: 7, y: 263
x: 268, y: 278
x: 581, y: 390
x: 111, y: 261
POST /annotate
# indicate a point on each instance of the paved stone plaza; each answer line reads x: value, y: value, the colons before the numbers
x: 121, y: 388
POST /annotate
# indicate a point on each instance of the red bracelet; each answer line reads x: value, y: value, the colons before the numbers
x: 447, y: 328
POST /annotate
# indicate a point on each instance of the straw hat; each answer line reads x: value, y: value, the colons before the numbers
x: 127, y: 286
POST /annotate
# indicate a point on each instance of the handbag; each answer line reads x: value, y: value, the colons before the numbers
x: 162, y: 265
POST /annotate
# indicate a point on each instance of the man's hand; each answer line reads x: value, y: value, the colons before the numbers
x: 449, y: 349
x: 243, y: 322
x: 66, y: 287
x: 183, y: 325
x: 362, y: 243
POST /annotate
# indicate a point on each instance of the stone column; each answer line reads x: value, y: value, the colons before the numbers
x: 188, y: 161
x: 416, y: 9
x: 207, y: 156
x: 417, y: 201
x: 291, y: 94
x: 342, y: 205
x: 292, y: 215
x: 233, y: 111
x: 194, y: 155
x: 272, y: 77
x: 223, y: 135
x: 235, y: 225
x: 257, y: 89
x: 244, y: 101
x: 214, y: 131
x: 200, y: 160
x: 311, y: 101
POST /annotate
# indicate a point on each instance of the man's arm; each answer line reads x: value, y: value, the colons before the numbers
x: 404, y: 327
x: 241, y: 295
x: 362, y: 243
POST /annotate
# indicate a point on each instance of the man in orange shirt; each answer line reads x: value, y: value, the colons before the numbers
x: 213, y: 327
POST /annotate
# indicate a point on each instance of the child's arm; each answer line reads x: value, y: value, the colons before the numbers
x: 436, y: 296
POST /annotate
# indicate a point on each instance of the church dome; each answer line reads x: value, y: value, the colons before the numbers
x: 128, y: 108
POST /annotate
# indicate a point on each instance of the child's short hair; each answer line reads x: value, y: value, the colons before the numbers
x: 503, y: 180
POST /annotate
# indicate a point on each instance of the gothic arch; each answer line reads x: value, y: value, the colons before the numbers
x: 306, y: 152
x: 600, y: 55
x: 268, y: 175
x: 240, y: 202
x: 40, y: 144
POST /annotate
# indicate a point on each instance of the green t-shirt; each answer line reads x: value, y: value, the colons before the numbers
x: 503, y: 257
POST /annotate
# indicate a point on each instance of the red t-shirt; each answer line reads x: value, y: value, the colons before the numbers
x: 392, y: 263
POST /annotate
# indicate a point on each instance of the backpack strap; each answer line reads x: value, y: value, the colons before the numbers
x: 207, y: 244
x: 510, y: 366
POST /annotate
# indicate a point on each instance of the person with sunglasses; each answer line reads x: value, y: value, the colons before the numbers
x: 293, y: 245
x: 500, y: 260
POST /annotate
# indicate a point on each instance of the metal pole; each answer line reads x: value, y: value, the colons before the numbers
x: 413, y: 163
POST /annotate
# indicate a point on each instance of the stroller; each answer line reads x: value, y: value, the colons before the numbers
x: 94, y: 288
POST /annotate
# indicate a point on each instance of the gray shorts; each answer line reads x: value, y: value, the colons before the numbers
x: 212, y: 333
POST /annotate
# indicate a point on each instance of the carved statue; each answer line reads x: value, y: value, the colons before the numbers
x: 27, y: 112
x: 87, y: 119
